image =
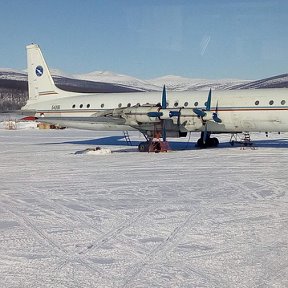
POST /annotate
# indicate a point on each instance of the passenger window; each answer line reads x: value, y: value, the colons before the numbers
x: 196, y: 103
x: 81, y: 105
x: 271, y: 102
x: 129, y: 105
x: 120, y: 105
x: 88, y: 105
x: 102, y: 105
x: 283, y: 102
x: 256, y: 102
x: 186, y: 104
x: 73, y: 106
x: 176, y: 104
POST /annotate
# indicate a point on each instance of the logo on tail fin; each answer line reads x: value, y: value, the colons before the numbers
x: 39, y: 71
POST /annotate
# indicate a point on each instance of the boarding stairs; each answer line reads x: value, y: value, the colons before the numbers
x: 244, y: 140
x: 127, y: 138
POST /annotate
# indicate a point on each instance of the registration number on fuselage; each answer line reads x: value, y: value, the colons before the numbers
x: 55, y: 107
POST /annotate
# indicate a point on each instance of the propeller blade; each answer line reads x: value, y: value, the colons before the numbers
x: 199, y: 112
x: 163, y: 131
x: 164, y: 98
x: 205, y: 133
x: 215, y: 115
x: 174, y: 114
x: 216, y: 118
x: 164, y: 106
x: 208, y: 103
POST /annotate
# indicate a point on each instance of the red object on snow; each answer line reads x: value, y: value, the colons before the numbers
x: 29, y: 118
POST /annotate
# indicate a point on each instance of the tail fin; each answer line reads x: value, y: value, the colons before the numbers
x: 40, y: 82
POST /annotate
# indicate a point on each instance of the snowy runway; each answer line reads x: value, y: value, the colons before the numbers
x: 193, y: 218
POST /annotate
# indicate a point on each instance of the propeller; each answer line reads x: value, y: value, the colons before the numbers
x: 159, y: 113
x: 164, y: 106
x: 202, y: 113
x: 215, y: 115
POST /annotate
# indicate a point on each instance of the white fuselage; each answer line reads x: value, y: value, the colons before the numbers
x: 240, y: 110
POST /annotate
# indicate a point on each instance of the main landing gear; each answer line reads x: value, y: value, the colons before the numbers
x: 153, y: 145
x: 207, y: 142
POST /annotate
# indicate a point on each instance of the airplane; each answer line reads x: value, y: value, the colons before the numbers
x: 155, y: 115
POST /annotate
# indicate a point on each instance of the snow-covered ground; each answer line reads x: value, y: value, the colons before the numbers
x: 187, y: 218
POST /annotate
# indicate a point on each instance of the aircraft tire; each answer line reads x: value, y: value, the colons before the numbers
x: 215, y: 142
x: 143, y: 147
x: 211, y: 142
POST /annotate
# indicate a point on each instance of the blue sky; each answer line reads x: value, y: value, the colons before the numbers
x: 245, y: 39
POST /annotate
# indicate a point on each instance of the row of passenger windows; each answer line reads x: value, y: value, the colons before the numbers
x: 271, y: 102
x: 176, y: 104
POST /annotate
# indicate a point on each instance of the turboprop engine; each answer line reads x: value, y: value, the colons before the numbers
x: 191, y: 119
x: 155, y: 115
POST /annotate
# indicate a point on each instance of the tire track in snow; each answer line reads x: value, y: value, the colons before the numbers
x: 32, y: 227
x: 161, y: 250
x: 38, y: 234
x: 158, y: 250
x: 116, y: 231
x: 282, y: 271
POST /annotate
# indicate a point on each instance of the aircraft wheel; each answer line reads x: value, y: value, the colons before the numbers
x: 215, y: 142
x: 200, y: 143
x: 143, y: 147
x: 211, y: 142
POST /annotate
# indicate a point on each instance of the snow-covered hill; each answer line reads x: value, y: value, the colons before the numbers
x: 279, y: 81
x: 98, y: 79
x: 178, y: 83
x: 12, y: 74
x: 120, y: 79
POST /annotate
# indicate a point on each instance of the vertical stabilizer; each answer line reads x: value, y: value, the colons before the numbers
x: 40, y: 82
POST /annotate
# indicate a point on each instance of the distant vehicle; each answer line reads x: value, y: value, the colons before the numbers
x: 156, y: 116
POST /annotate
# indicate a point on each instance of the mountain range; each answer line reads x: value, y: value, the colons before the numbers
x: 14, y: 87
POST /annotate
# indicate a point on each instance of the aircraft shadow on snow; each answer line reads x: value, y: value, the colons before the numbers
x: 271, y: 143
x: 120, y: 141
x: 175, y: 145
